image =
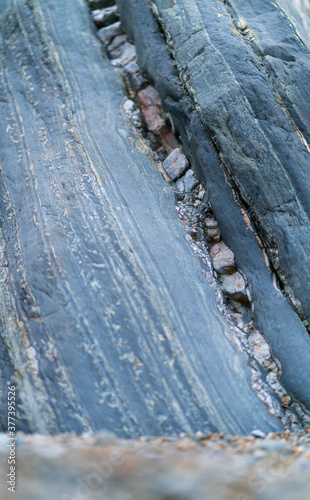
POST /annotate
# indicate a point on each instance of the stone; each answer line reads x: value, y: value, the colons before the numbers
x: 134, y: 75
x: 132, y: 112
x: 100, y: 4
x: 175, y: 164
x: 107, y: 33
x: 235, y: 286
x: 116, y: 47
x: 210, y: 223
x: 149, y: 97
x: 258, y: 433
x: 104, y: 17
x: 213, y: 235
x: 187, y: 183
x: 201, y: 194
x: 223, y: 259
x: 125, y: 53
x: 149, y: 102
x: 153, y: 118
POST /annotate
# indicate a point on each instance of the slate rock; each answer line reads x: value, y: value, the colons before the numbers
x: 175, y: 164
x: 224, y: 89
x: 103, y: 290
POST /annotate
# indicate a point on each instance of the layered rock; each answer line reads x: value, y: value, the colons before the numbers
x: 107, y: 321
x: 233, y: 77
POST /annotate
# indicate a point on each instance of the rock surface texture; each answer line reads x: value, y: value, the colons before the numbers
x: 234, y: 78
x: 107, y: 321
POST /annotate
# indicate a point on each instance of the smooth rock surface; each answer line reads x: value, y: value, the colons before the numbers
x: 107, y: 321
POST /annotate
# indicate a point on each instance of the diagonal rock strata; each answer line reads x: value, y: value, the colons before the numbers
x: 106, y: 319
x: 242, y: 116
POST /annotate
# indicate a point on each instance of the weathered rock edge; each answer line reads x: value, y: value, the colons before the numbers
x: 220, y: 88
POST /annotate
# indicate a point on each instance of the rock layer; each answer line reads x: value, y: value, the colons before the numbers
x: 106, y: 319
x: 233, y: 78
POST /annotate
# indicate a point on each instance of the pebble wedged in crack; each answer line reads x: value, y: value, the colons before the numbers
x: 106, y: 318
x: 239, y: 143
x: 202, y: 231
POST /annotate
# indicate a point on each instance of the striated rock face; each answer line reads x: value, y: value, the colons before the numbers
x: 107, y: 321
x: 233, y: 76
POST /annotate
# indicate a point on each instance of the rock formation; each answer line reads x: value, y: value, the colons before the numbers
x: 107, y: 321
x: 233, y: 76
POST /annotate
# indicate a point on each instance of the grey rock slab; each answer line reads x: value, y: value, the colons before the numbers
x: 257, y: 113
x: 245, y: 142
x: 102, y: 286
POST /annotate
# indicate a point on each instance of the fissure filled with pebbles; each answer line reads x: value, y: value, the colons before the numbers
x: 144, y: 108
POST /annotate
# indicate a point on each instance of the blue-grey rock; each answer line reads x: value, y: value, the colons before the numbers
x: 187, y: 183
x: 233, y: 76
x: 107, y: 33
x: 107, y: 322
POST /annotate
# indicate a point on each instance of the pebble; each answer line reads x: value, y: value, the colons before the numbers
x: 100, y: 4
x: 132, y: 112
x: 213, y: 235
x: 187, y: 183
x: 133, y: 73
x: 258, y: 433
x: 104, y: 17
x: 149, y: 97
x: 116, y: 48
x: 107, y: 33
x: 199, y: 435
x: 153, y: 118
x: 175, y: 164
x: 223, y: 259
x: 149, y: 102
x: 210, y: 223
x: 126, y: 53
x: 235, y: 286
